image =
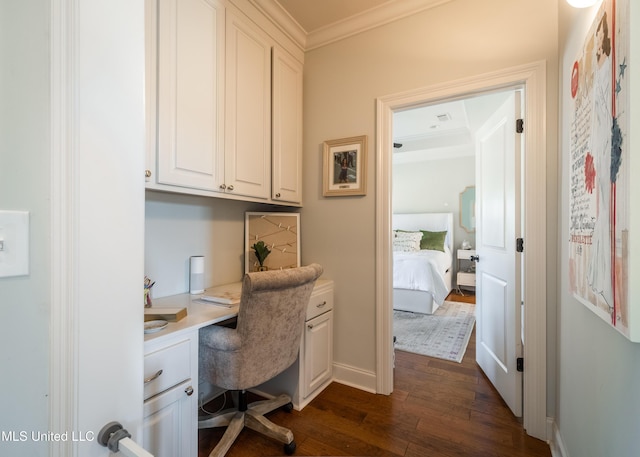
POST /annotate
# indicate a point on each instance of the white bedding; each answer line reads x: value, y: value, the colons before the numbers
x: 422, y: 270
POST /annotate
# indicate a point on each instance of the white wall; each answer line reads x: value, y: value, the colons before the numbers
x: 24, y: 185
x: 179, y: 226
x: 459, y: 39
x: 598, y: 399
x: 434, y: 186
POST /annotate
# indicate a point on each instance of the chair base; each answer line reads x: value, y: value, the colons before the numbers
x: 253, y: 418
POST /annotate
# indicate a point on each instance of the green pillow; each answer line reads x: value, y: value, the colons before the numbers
x: 433, y: 240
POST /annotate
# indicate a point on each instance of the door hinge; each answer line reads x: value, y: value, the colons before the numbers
x: 520, y: 364
x: 519, y: 125
x: 519, y: 244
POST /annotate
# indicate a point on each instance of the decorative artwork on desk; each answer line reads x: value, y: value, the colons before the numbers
x: 345, y: 166
x: 599, y: 175
x: 272, y: 241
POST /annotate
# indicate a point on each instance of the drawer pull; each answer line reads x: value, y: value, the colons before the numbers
x: 310, y: 326
x: 151, y: 378
x: 321, y: 305
x: 189, y: 391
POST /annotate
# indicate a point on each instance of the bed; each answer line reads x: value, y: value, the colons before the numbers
x: 422, y: 277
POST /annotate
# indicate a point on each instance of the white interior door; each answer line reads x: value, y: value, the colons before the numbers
x: 498, y: 341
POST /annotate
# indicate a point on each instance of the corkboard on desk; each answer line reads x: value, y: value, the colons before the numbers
x: 280, y: 232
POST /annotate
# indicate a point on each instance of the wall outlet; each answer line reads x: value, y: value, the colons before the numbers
x: 14, y: 243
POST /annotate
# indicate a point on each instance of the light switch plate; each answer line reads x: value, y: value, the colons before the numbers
x: 14, y: 240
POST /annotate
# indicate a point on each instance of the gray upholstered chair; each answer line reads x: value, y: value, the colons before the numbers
x: 264, y: 343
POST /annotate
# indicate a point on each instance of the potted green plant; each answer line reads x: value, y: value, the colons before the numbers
x: 261, y: 251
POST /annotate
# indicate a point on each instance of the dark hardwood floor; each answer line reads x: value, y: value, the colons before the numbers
x: 438, y: 408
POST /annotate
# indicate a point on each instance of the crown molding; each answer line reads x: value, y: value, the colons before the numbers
x: 367, y: 20
x: 282, y: 20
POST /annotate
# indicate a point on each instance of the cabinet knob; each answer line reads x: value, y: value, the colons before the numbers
x: 189, y: 391
x: 278, y: 195
x: 309, y: 326
x: 147, y: 173
x: 223, y: 187
x: 321, y: 305
x: 230, y: 187
x: 151, y: 378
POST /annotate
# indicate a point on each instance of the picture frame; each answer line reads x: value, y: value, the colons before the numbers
x: 345, y: 167
x: 281, y: 234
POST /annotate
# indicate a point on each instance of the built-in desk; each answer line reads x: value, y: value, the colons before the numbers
x: 198, y: 314
x: 171, y: 390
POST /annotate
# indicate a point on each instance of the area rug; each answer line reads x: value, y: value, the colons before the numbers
x: 444, y: 334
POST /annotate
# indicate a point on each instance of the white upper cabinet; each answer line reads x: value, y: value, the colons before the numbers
x: 190, y: 93
x: 287, y: 128
x: 248, y: 109
x: 224, y: 102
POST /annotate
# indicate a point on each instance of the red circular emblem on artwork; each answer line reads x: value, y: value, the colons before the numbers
x: 574, y: 80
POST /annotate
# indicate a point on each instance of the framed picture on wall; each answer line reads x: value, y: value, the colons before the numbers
x: 345, y: 167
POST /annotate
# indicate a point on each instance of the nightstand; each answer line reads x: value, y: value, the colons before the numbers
x: 466, y: 273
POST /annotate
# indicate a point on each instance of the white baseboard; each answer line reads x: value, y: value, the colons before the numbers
x: 555, y: 440
x: 354, y: 377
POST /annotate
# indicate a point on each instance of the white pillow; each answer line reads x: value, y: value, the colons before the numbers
x: 406, y: 241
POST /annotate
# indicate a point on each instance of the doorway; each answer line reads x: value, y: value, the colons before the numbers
x: 434, y: 165
x: 532, y: 78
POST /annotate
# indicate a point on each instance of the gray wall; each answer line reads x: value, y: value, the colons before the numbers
x: 458, y: 39
x: 24, y: 186
x: 598, y: 372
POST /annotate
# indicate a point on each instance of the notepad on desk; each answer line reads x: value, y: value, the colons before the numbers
x: 224, y: 298
x: 227, y: 295
x: 167, y: 314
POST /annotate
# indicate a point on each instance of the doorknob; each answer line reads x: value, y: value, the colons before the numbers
x: 474, y: 258
x: 114, y: 437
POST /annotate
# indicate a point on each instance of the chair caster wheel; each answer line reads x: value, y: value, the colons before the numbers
x: 288, y: 407
x: 290, y: 448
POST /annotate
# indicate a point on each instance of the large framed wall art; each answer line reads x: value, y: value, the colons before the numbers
x: 599, y: 171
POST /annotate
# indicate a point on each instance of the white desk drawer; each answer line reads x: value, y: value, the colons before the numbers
x: 166, y: 367
x: 319, y: 303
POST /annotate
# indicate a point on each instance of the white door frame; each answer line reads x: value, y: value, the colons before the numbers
x: 533, y: 78
x: 97, y: 159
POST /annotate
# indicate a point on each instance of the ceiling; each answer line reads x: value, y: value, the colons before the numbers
x: 426, y: 133
x: 443, y: 130
x: 316, y: 14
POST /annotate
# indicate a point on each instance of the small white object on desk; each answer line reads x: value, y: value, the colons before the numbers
x: 196, y: 274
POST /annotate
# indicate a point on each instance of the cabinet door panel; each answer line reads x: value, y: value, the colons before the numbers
x: 169, y: 426
x: 318, y: 352
x: 287, y: 128
x: 248, y: 109
x: 190, y: 93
